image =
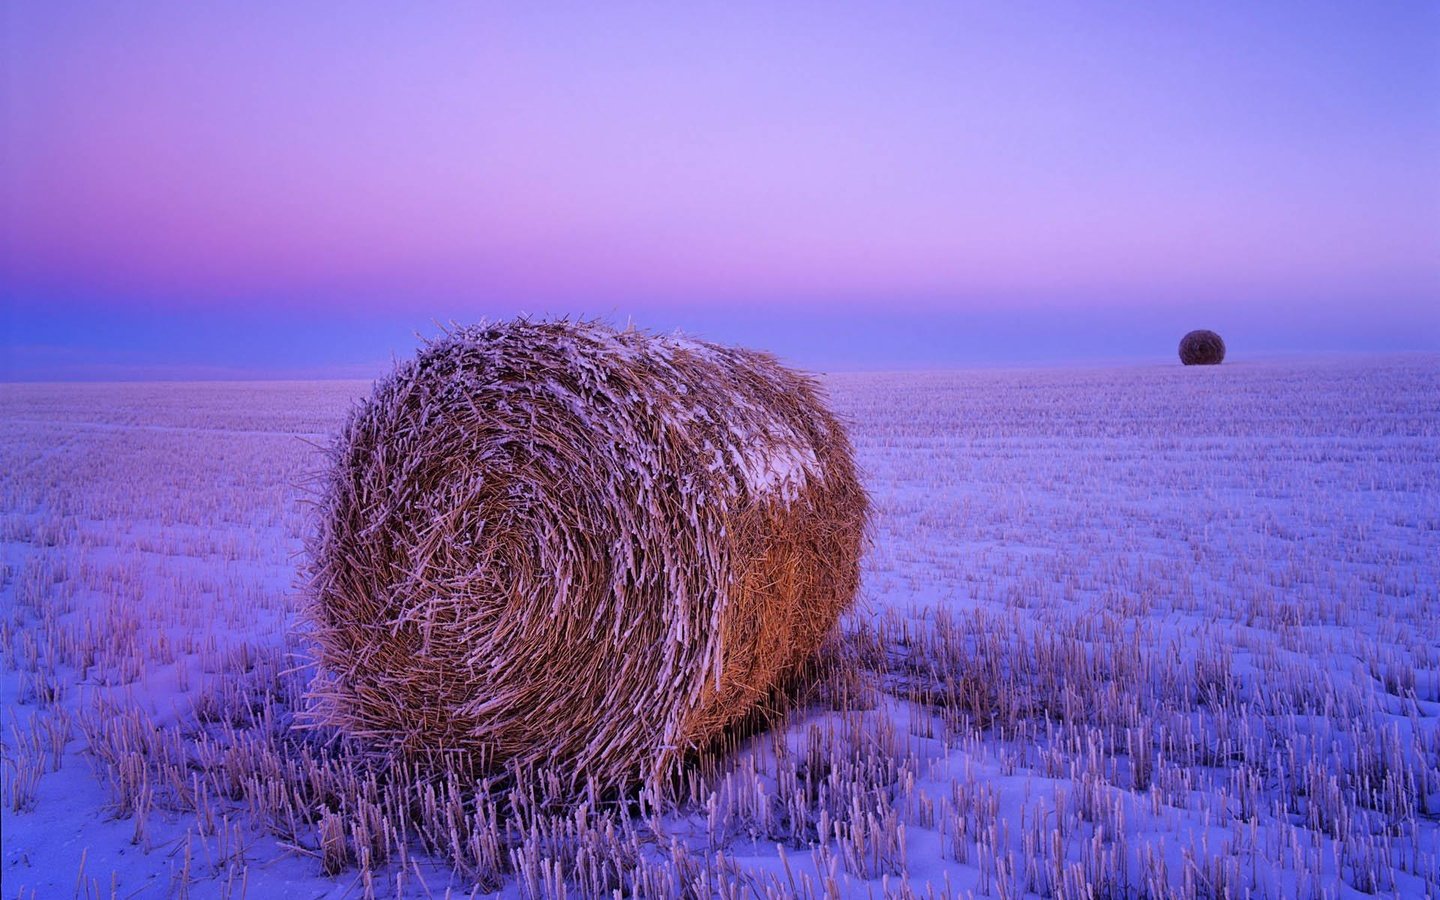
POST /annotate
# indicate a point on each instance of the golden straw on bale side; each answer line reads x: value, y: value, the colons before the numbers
x: 558, y: 545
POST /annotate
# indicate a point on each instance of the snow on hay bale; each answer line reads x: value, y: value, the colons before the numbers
x: 1202, y: 348
x: 557, y: 545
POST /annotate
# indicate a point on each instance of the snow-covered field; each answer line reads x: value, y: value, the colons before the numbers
x: 1132, y: 631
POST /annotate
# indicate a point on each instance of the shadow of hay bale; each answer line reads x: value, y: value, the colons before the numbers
x: 1202, y: 348
x: 556, y: 545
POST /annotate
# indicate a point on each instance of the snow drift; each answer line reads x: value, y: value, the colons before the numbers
x: 559, y: 546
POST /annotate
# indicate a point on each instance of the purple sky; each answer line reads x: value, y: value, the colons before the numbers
x: 296, y: 189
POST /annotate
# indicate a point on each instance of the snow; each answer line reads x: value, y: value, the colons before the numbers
x: 780, y: 469
x: 1128, y: 626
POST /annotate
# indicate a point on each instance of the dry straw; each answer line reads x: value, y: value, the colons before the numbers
x: 558, y: 546
x: 1202, y: 348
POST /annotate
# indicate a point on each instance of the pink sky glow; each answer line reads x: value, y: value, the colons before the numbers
x: 395, y: 160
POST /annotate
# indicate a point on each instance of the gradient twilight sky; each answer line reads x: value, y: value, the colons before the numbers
x: 231, y: 189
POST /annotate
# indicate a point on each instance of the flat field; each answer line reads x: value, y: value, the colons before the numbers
x: 1125, y: 631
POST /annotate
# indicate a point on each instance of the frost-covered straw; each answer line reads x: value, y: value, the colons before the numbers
x: 556, y: 545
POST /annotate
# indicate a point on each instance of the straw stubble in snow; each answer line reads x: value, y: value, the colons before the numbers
x: 1127, y: 631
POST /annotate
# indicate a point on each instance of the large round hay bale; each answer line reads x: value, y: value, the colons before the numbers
x: 562, y: 546
x: 1202, y: 348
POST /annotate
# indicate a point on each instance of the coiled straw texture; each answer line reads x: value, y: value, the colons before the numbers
x: 559, y: 546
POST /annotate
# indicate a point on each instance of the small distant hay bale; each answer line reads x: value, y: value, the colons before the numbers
x: 1202, y: 348
x: 555, y: 545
